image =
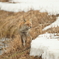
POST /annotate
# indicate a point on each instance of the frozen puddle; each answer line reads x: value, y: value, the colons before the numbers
x: 3, y: 44
x: 46, y: 47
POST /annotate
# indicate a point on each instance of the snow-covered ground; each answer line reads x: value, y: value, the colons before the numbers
x: 54, y: 24
x: 46, y: 47
x: 3, y: 44
x: 34, y: 1
x: 49, y: 35
x: 50, y: 6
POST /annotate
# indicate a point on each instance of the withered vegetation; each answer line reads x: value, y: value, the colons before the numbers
x: 4, y: 0
x: 9, y: 23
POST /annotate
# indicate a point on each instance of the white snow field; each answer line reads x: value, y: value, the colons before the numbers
x: 33, y: 1
x: 54, y: 24
x: 14, y: 7
x: 26, y: 1
x: 50, y: 6
x: 47, y: 48
x: 51, y: 53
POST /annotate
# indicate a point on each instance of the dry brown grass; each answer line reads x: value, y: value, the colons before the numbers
x: 3, y: 0
x: 14, y: 45
x: 9, y: 25
x: 53, y: 30
x: 9, y: 28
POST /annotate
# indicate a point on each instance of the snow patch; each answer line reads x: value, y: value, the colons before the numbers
x: 54, y: 24
x: 47, y: 48
x: 50, y: 6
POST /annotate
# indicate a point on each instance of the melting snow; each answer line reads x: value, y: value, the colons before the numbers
x: 50, y: 6
x: 47, y: 48
x: 54, y: 24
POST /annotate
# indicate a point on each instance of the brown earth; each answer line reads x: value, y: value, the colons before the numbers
x: 9, y: 21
